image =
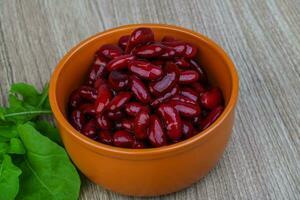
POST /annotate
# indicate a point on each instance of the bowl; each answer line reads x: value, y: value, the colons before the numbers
x: 154, y: 171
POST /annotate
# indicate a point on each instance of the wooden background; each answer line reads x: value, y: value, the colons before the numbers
x: 262, y: 160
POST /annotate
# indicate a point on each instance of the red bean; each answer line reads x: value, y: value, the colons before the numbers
x: 77, y: 119
x: 103, y: 122
x: 211, y: 117
x: 168, y: 53
x: 211, y: 99
x: 172, y: 120
x: 110, y: 51
x: 141, y: 123
x: 123, y: 41
x: 178, y: 46
x: 139, y: 36
x: 156, y: 134
x: 188, y: 76
x: 88, y: 109
x: 138, y: 144
x: 88, y: 93
x: 98, y: 69
x: 139, y: 90
x: 196, y: 66
x: 105, y: 137
x: 158, y: 63
x: 167, y: 82
x: 118, y: 80
x: 168, y: 38
x: 149, y: 51
x: 183, y: 99
x: 186, y: 109
x: 99, y: 82
x: 103, y: 99
x: 89, y: 129
x: 189, y: 93
x: 190, y: 51
x: 123, y: 139
x: 120, y: 62
x: 188, y: 130
x: 165, y: 96
x: 145, y: 70
x: 182, y: 62
x: 127, y: 125
x: 198, y: 87
x: 115, y: 115
x: 119, y: 101
x: 75, y: 99
x: 133, y: 108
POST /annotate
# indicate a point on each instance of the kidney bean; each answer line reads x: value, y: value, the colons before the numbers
x: 172, y: 120
x: 168, y: 38
x: 211, y: 117
x: 139, y: 90
x: 156, y: 134
x: 119, y: 62
x: 188, y: 130
x: 141, y: 123
x: 190, y: 51
x: 178, y: 46
x: 127, y: 124
x: 103, y: 99
x: 182, y: 62
x: 118, y: 125
x: 119, y: 101
x: 183, y: 99
x: 98, y: 69
x: 158, y: 63
x: 165, y: 96
x: 138, y: 144
x: 196, y: 66
x: 115, y: 115
x: 88, y: 93
x: 133, y: 108
x: 186, y: 109
x: 89, y: 129
x: 110, y: 51
x: 77, y: 119
x: 123, y: 138
x: 168, y: 53
x: 123, y: 41
x: 211, y: 99
x: 105, y: 137
x: 88, y: 109
x: 189, y: 93
x: 139, y: 36
x: 167, y: 82
x: 188, y: 76
x: 103, y: 122
x: 145, y: 70
x: 118, y: 80
x: 99, y: 82
x: 149, y: 51
x: 196, y: 121
x: 75, y: 99
x: 198, y: 87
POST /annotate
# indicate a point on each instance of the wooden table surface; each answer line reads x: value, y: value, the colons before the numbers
x: 262, y: 160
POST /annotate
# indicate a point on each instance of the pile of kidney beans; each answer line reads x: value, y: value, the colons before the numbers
x: 144, y: 93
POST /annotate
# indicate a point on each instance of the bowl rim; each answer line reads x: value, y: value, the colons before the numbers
x: 143, y: 153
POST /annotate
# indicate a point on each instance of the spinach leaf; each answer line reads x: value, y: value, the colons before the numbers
x: 9, y: 179
x: 47, y: 170
x: 48, y: 130
x: 16, y: 146
x: 4, y: 146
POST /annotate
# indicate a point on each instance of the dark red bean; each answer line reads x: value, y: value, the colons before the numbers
x: 115, y: 115
x: 123, y: 139
x: 211, y: 117
x: 196, y: 66
x: 139, y: 89
x: 186, y: 109
x: 75, y: 99
x: 189, y: 93
x: 188, y: 76
x: 89, y: 129
x: 98, y: 69
x: 145, y: 70
x: 99, y: 82
x: 118, y: 80
x: 167, y: 82
x: 178, y: 46
x: 182, y: 62
x: 188, y: 130
x: 183, y: 99
x: 105, y: 137
x: 196, y: 121
x: 123, y: 41
x: 211, y: 99
x: 139, y: 36
x: 138, y: 144
x: 156, y: 134
x: 166, y: 96
x: 120, y: 62
x: 77, y: 119
x: 103, y: 122
x: 103, y: 99
x: 141, y: 123
x: 88, y: 109
x: 118, y: 125
x: 190, y: 51
x: 88, y: 93
x: 149, y: 51
x: 168, y: 38
x: 168, y: 53
x: 110, y: 51
x: 119, y: 101
x: 158, y: 63
x: 198, y: 87
x: 127, y: 125
x: 172, y: 120
x: 133, y: 108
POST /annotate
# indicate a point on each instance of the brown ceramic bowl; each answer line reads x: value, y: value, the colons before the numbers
x: 145, y: 172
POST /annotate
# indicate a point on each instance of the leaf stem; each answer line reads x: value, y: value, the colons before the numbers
x: 27, y: 113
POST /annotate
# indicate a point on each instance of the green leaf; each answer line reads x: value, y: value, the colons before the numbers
x: 48, y: 130
x: 27, y: 92
x: 8, y: 131
x: 3, y: 147
x: 9, y: 179
x: 47, y: 171
x: 16, y: 146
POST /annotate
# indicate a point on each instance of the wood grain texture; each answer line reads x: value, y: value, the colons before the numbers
x: 262, y: 160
